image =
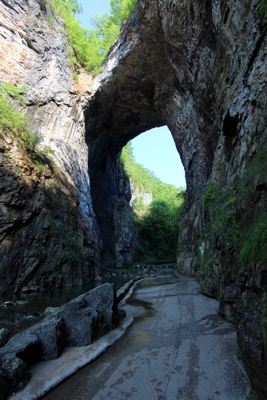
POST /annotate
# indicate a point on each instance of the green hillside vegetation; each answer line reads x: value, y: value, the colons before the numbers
x: 13, y: 122
x: 157, y: 223
x: 90, y: 47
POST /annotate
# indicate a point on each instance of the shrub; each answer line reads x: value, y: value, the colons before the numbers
x: 14, y: 122
x: 91, y: 46
x: 254, y: 249
x: 210, y: 195
x: 10, y: 118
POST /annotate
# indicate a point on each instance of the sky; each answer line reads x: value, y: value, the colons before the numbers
x: 92, y: 7
x: 154, y: 149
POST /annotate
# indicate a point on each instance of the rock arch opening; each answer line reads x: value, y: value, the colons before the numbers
x: 151, y: 81
x: 155, y: 150
x: 111, y: 193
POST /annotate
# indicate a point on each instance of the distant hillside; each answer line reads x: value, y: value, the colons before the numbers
x: 157, y: 209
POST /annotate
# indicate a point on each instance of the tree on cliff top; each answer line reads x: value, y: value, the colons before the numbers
x: 91, y: 46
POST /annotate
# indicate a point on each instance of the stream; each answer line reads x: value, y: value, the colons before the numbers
x: 17, y: 317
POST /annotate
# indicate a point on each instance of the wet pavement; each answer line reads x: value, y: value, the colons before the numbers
x: 176, y: 348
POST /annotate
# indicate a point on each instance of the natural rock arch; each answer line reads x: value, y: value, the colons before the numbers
x: 152, y: 79
x: 198, y: 67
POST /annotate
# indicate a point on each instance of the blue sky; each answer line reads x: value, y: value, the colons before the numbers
x: 154, y: 149
x: 92, y: 7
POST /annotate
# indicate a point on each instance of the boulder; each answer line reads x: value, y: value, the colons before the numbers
x: 4, y: 336
x: 15, y: 373
x: 4, y: 384
x: 89, y: 316
x: 25, y: 346
x: 77, y: 323
x: 50, y: 333
x: 50, y: 310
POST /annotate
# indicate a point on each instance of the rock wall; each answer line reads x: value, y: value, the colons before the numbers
x: 35, y: 49
x: 200, y: 68
x: 145, y: 198
x: 49, y: 236
x: 111, y: 195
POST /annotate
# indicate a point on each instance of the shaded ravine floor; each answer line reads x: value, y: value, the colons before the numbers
x: 176, y: 348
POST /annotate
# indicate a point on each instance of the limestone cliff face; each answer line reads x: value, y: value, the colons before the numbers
x: 66, y: 245
x: 111, y: 195
x: 145, y: 198
x: 49, y: 236
x: 200, y: 68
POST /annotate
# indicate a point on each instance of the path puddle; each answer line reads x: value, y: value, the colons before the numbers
x: 147, y: 311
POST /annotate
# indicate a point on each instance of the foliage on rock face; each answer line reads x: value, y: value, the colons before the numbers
x: 10, y: 118
x: 235, y: 231
x: 254, y: 248
x: 157, y: 223
x: 14, y: 122
x: 91, y: 46
x: 25, y: 169
x: 143, y: 179
x: 263, y: 4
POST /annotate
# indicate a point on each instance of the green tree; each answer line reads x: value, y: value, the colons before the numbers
x: 75, y: 6
x: 121, y: 10
x: 10, y: 118
x: 157, y: 224
x: 91, y: 46
x: 158, y: 233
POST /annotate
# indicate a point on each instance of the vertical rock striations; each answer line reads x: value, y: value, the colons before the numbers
x: 48, y: 232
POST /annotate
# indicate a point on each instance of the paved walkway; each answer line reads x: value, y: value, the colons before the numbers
x: 176, y: 348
